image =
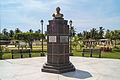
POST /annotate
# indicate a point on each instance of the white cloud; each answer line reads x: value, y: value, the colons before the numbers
x: 111, y: 23
x: 5, y: 2
x: 84, y: 13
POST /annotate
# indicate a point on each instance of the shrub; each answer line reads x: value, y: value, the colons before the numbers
x: 1, y: 49
x: 116, y: 47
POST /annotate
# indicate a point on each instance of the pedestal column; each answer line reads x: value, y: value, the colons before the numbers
x: 58, y: 46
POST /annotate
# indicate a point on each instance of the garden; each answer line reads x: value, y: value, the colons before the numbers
x: 108, y: 42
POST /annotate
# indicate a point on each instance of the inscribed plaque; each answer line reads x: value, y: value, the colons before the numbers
x: 63, y: 39
x: 52, y: 38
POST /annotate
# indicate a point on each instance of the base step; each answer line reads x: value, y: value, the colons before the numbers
x: 58, y: 69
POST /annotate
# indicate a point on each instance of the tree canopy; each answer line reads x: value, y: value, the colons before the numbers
x: 28, y: 37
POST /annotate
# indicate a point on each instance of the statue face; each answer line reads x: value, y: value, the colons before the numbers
x: 57, y: 9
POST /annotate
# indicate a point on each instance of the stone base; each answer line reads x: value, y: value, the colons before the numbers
x: 58, y: 68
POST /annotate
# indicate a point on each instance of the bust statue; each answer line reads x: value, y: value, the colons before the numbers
x: 58, y: 14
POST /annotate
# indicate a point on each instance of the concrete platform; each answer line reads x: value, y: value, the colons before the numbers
x: 86, y: 69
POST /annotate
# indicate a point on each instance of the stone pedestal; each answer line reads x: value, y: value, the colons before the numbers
x: 58, y: 47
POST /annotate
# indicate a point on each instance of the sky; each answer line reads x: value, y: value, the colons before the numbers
x: 85, y: 14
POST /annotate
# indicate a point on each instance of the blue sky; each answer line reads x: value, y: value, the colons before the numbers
x: 85, y: 14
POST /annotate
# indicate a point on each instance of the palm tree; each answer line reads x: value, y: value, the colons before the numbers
x: 80, y: 42
x: 75, y: 42
x: 31, y: 31
x: 93, y: 33
x: 101, y: 32
x: 79, y: 34
x: 114, y: 36
x: 11, y: 33
x: 38, y: 31
x: 17, y: 30
x: 85, y: 34
x: 4, y: 31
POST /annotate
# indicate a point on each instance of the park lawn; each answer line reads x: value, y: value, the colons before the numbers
x: 34, y: 47
x: 9, y: 56
x: 39, y: 46
x: 34, y: 53
x: 115, y: 54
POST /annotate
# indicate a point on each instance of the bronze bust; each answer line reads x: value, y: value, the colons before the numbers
x: 58, y: 14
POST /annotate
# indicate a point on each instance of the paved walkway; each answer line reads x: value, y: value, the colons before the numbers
x: 86, y: 69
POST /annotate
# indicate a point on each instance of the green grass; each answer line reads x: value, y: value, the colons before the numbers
x: 115, y: 54
x: 34, y: 53
x: 45, y: 46
x: 9, y: 56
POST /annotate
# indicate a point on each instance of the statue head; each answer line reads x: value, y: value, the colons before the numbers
x: 58, y: 10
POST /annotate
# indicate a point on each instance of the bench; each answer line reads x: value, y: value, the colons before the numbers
x: 106, y: 49
x: 20, y: 52
x: 91, y: 52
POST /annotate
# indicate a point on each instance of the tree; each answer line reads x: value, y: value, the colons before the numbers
x: 4, y: 31
x: 79, y: 34
x: 11, y: 33
x: 1, y: 53
x: 84, y: 34
x: 73, y: 32
x: 75, y: 42
x: 93, y: 33
x: 101, y: 33
x: 38, y: 31
x: 108, y: 34
x: 80, y: 42
x: 3, y: 37
x: 118, y: 34
x: 31, y: 31
x: 115, y: 36
x: 28, y: 37
x: 17, y: 30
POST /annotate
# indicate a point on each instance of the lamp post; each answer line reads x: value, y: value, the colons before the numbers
x: 42, y: 53
x: 70, y: 22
